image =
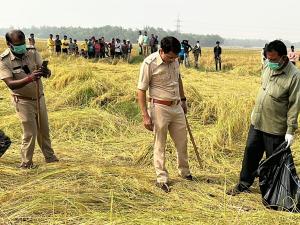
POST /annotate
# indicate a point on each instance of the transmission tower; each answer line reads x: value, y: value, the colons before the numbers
x: 178, y: 25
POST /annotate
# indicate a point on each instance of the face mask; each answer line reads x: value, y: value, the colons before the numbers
x: 19, y: 49
x: 273, y: 66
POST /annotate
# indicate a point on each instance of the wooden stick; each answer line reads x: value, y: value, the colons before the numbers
x: 193, y: 142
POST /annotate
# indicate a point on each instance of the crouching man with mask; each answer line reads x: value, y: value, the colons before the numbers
x: 274, y: 117
x: 21, y: 70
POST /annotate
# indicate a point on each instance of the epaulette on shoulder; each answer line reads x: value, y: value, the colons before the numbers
x: 149, y: 59
x: 4, y: 54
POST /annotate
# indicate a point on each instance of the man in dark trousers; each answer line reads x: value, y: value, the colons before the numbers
x: 217, y: 54
x: 275, y: 114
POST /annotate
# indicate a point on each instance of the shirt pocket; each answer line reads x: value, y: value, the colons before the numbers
x: 161, y: 76
x: 279, y: 90
x: 18, y: 73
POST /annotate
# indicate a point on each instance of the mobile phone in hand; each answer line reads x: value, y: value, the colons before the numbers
x: 45, y: 64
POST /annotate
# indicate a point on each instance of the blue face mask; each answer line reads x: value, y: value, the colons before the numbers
x: 19, y: 49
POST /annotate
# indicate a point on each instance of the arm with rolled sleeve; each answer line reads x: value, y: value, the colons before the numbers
x: 294, y: 105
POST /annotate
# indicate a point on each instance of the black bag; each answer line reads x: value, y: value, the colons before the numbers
x: 4, y: 143
x: 278, y: 181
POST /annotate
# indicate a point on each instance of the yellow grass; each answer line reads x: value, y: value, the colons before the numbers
x: 106, y: 176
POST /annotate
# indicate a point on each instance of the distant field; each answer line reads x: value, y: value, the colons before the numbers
x: 106, y: 175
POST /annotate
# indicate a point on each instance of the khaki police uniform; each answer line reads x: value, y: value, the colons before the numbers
x: 162, y: 80
x: 25, y: 102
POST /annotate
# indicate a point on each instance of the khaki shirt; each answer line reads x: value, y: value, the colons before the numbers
x: 160, y: 78
x: 13, y: 67
x: 278, y: 101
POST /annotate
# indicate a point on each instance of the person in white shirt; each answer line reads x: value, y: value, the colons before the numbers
x: 140, y: 42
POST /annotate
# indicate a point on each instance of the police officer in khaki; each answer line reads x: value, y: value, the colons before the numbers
x: 21, y: 69
x: 160, y: 75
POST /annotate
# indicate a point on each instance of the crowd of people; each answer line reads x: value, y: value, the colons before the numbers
x: 90, y: 48
x: 100, y: 48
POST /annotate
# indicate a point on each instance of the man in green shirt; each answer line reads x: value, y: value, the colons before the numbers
x: 274, y: 117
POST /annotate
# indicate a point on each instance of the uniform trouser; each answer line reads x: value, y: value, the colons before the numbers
x: 196, y: 56
x: 27, y: 112
x: 218, y: 63
x: 258, y: 142
x: 169, y: 118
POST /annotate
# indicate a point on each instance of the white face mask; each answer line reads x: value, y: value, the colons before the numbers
x: 198, y: 44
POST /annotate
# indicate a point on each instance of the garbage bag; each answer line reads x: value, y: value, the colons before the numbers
x: 279, y: 182
x: 4, y: 143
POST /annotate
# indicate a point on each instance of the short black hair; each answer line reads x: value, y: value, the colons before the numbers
x: 277, y: 46
x: 292, y: 46
x: 170, y: 44
x: 14, y: 34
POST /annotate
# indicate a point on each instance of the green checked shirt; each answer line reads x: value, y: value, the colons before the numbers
x: 278, y: 102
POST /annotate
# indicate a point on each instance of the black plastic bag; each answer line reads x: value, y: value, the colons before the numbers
x: 278, y: 181
x: 4, y: 143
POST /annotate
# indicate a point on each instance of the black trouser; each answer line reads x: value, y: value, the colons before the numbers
x: 218, y: 62
x: 258, y: 142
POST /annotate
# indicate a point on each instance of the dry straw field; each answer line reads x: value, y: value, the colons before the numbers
x: 106, y: 176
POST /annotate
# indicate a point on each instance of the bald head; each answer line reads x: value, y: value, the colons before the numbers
x: 15, y: 37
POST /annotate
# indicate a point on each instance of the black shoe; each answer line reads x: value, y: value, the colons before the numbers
x: 52, y: 160
x: 164, y: 186
x: 29, y: 166
x: 189, y: 177
x: 238, y: 189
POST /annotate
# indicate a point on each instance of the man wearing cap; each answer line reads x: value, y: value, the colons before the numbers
x: 160, y: 75
x: 217, y: 54
x: 21, y: 70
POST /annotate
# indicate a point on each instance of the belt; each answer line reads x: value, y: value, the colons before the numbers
x: 163, y: 102
x: 17, y: 97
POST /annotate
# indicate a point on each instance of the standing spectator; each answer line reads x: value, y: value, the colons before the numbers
x: 146, y: 44
x: 58, y: 44
x: 65, y: 44
x: 84, y: 48
x: 181, y: 54
x: 152, y: 43
x: 112, y: 47
x: 156, y: 43
x: 217, y: 54
x: 187, y: 48
x: 102, y: 47
x: 97, y: 49
x: 71, y: 47
x: 197, y: 53
x: 76, y: 47
x: 129, y: 51
x: 293, y: 55
x: 50, y: 44
x: 31, y: 41
x: 118, y: 48
x: 140, y: 42
x: 125, y: 50
x: 91, y: 49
